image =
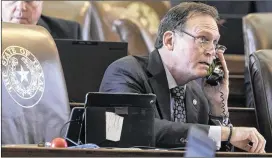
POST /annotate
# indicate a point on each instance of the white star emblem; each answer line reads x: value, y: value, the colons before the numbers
x: 23, y: 74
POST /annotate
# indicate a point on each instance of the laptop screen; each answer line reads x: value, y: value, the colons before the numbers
x: 120, y: 119
x: 84, y: 64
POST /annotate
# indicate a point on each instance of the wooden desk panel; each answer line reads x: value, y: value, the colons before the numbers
x: 62, y: 152
x: 236, y: 91
x: 235, y: 63
x: 243, y: 117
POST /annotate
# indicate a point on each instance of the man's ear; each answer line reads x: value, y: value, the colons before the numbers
x: 168, y: 40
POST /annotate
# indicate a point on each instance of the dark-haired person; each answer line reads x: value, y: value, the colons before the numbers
x: 187, y: 43
x: 29, y: 12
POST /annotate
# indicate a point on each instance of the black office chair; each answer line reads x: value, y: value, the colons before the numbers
x: 257, y: 35
x: 260, y: 70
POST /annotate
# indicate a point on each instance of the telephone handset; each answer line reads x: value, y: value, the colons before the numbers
x: 215, y: 73
x: 214, y: 78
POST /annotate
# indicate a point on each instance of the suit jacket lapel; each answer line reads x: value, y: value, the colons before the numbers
x: 159, y: 84
x: 192, y: 105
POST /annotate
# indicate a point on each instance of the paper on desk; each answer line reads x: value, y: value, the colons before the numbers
x: 114, y: 124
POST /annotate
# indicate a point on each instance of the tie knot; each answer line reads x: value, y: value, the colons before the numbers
x: 178, y: 91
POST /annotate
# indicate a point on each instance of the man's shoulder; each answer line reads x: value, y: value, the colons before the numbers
x: 59, y: 26
x: 58, y: 21
x: 131, y: 62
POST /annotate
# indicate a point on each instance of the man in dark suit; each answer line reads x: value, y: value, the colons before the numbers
x: 29, y: 12
x: 185, y: 48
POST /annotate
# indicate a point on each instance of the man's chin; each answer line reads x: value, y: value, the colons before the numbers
x: 202, y: 73
x: 20, y: 21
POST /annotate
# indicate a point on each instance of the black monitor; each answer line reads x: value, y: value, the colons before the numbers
x: 84, y: 64
x: 232, y: 35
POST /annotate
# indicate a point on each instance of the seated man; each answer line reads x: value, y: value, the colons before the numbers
x: 187, y: 43
x: 29, y: 12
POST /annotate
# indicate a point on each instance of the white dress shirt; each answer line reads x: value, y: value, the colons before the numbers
x: 214, y: 132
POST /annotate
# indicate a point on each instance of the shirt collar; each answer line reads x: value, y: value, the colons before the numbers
x: 171, y: 81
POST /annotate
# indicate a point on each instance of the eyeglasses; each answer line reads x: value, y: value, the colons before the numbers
x: 206, y: 44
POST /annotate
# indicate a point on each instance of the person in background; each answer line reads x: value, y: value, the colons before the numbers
x: 30, y: 13
x: 186, y: 45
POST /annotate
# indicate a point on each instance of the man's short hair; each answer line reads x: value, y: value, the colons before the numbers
x: 177, y: 16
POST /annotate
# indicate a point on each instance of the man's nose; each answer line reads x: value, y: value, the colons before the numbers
x: 211, y: 52
x: 21, y: 5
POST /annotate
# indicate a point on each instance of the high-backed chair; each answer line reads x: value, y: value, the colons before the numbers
x: 260, y: 70
x: 129, y: 32
x: 34, y: 97
x: 78, y: 11
x: 144, y: 13
x: 257, y: 35
x: 257, y: 32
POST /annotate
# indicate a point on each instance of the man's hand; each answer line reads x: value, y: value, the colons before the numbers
x: 242, y: 136
x: 218, y: 94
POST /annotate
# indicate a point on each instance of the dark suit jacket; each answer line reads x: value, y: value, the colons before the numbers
x: 61, y: 29
x: 147, y: 75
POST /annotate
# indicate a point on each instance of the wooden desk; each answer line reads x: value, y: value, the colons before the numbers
x: 65, y: 152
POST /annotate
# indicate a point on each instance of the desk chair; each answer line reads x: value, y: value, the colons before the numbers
x: 34, y: 98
